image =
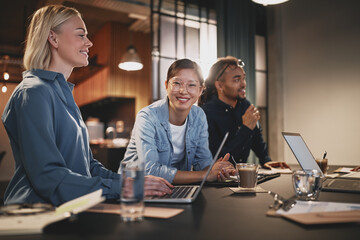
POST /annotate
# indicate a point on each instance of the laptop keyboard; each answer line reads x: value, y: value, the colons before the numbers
x: 179, y: 192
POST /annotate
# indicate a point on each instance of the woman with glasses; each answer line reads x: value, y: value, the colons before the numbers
x: 171, y: 134
x: 228, y: 110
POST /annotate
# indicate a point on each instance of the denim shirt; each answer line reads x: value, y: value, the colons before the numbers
x: 151, y: 141
x: 50, y: 144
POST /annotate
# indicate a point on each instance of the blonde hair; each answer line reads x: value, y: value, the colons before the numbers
x: 37, y: 48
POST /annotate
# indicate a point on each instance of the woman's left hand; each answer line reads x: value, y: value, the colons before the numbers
x: 221, y: 170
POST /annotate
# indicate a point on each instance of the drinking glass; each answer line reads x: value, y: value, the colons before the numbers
x: 307, y: 184
x: 132, y: 191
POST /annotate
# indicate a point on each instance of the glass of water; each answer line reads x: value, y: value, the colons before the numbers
x: 307, y: 184
x: 132, y: 191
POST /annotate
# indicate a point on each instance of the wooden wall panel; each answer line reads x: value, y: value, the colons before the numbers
x: 133, y: 83
x: 110, y: 43
x: 93, y: 89
x: 101, y: 45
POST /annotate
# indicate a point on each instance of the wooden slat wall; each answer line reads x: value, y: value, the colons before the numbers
x: 93, y: 89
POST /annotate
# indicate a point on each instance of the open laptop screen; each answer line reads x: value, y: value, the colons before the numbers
x: 301, y: 151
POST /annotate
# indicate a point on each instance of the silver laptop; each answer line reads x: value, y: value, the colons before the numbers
x: 186, y: 193
x: 301, y: 151
x: 307, y: 161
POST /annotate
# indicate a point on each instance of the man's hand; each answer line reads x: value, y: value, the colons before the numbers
x: 356, y: 169
x: 272, y: 164
x: 156, y: 186
x: 250, y: 117
x: 221, y: 170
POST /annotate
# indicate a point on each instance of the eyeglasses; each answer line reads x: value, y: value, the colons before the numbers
x: 239, y: 63
x: 177, y: 84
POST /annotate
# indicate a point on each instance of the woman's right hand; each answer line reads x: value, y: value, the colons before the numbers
x: 156, y: 186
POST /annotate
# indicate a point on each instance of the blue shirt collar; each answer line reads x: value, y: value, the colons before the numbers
x: 47, y: 75
x: 57, y: 78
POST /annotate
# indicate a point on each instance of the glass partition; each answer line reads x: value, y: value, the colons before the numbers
x: 181, y: 30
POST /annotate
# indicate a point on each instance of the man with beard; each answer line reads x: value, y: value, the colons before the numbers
x: 228, y: 110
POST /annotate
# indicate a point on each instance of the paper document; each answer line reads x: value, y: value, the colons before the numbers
x: 314, y: 206
x: 352, y: 175
x: 258, y: 189
x: 343, y: 170
x: 310, y: 213
x: 275, y: 170
x: 34, y: 223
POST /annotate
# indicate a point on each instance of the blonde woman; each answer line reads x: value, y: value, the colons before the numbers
x: 53, y: 160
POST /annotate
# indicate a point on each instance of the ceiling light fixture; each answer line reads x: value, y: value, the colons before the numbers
x: 6, y: 75
x: 4, y: 88
x: 130, y: 61
x: 269, y: 2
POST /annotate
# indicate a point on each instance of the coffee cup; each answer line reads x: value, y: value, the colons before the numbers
x: 248, y: 174
x: 323, y: 164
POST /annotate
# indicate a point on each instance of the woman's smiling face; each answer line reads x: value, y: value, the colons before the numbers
x: 183, y: 90
x: 72, y: 43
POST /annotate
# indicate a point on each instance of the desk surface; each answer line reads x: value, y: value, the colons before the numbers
x: 216, y: 214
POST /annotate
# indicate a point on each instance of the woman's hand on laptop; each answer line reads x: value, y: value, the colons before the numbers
x: 271, y: 164
x: 221, y: 170
x: 156, y: 186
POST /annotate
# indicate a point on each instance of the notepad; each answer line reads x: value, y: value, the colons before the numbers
x: 343, y: 170
x: 276, y: 170
x: 309, y: 212
x: 35, y: 223
x: 352, y: 175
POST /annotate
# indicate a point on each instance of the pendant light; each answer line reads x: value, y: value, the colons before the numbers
x: 269, y: 2
x: 6, y: 75
x: 130, y: 61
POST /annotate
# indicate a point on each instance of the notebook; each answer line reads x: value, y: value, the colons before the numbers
x: 307, y: 162
x: 186, y: 193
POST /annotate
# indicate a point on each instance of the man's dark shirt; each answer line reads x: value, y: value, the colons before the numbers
x: 224, y: 118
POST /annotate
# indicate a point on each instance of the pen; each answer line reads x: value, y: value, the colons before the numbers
x: 324, y: 155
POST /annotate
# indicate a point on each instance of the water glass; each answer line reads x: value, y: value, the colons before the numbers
x: 132, y: 191
x: 307, y: 184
